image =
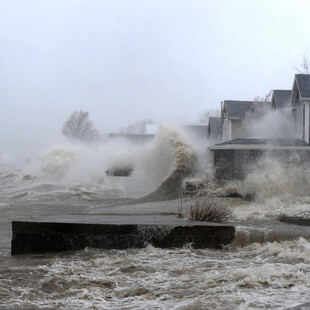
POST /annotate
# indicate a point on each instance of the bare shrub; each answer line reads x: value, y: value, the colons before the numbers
x: 204, y: 115
x: 261, y: 107
x: 206, y: 208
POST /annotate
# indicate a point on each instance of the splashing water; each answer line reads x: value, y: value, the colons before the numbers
x: 56, y: 163
x: 184, y: 164
x: 271, y: 178
x: 162, y: 164
x: 273, y: 276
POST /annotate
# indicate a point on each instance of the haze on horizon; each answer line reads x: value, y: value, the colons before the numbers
x: 128, y: 60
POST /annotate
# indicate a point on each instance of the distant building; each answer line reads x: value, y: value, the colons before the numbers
x: 300, y: 101
x: 197, y: 132
x: 151, y: 129
x: 215, y: 130
x: 134, y: 138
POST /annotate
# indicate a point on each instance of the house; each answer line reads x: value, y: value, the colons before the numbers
x: 215, y: 130
x: 235, y: 159
x: 232, y: 115
x: 300, y: 101
x: 281, y: 100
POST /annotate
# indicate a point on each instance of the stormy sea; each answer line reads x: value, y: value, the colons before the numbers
x: 266, y: 267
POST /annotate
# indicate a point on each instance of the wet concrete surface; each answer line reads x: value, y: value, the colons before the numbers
x: 123, y: 219
x: 76, y: 232
x: 247, y: 231
x: 296, y: 220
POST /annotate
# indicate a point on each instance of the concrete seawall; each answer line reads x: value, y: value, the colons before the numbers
x: 296, y: 220
x: 76, y: 232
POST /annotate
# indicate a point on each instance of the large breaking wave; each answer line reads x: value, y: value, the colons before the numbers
x: 184, y: 164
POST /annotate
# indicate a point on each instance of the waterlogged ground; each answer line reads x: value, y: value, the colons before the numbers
x: 268, y: 276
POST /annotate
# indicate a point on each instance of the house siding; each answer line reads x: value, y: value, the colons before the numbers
x: 235, y: 129
x: 299, y: 121
x: 300, y: 106
x: 234, y: 164
x: 226, y: 129
x: 306, y: 121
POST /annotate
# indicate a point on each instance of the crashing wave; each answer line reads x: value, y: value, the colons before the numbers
x: 184, y: 165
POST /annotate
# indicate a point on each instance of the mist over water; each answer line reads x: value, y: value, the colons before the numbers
x: 160, y: 169
x: 167, y: 160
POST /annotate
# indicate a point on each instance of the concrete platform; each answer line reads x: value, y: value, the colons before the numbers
x: 296, y: 220
x: 76, y: 232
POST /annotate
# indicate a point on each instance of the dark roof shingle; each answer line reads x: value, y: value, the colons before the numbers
x: 303, y: 84
x: 282, y: 98
x: 237, y: 109
x: 215, y: 127
x: 262, y: 141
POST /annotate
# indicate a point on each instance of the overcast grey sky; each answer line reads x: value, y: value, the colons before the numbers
x: 125, y: 60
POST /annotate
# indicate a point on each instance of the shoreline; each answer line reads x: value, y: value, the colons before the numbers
x: 246, y: 231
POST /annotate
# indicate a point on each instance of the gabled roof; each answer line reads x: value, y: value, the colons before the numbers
x: 215, y: 127
x: 262, y: 141
x: 303, y: 84
x: 282, y: 98
x: 262, y: 144
x: 237, y: 109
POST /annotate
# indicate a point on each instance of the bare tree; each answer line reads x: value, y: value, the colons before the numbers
x: 78, y: 126
x: 264, y: 99
x: 262, y: 105
x: 138, y: 127
x: 204, y: 115
x: 304, y: 66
